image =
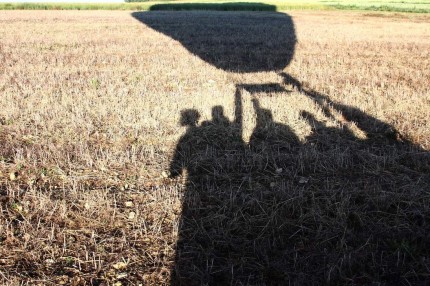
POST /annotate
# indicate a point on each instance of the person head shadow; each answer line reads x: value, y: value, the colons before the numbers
x: 218, y: 117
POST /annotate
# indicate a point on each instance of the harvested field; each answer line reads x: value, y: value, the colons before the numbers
x: 243, y: 148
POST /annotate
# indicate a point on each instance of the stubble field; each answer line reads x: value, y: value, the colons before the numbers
x: 214, y: 148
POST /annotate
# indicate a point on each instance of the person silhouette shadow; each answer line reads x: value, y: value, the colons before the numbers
x: 270, y: 134
x: 272, y: 144
x: 211, y: 154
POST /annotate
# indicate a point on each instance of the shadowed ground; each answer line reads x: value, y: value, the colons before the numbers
x: 278, y: 210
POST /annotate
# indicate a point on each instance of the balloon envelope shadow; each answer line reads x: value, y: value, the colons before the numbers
x: 238, y: 42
